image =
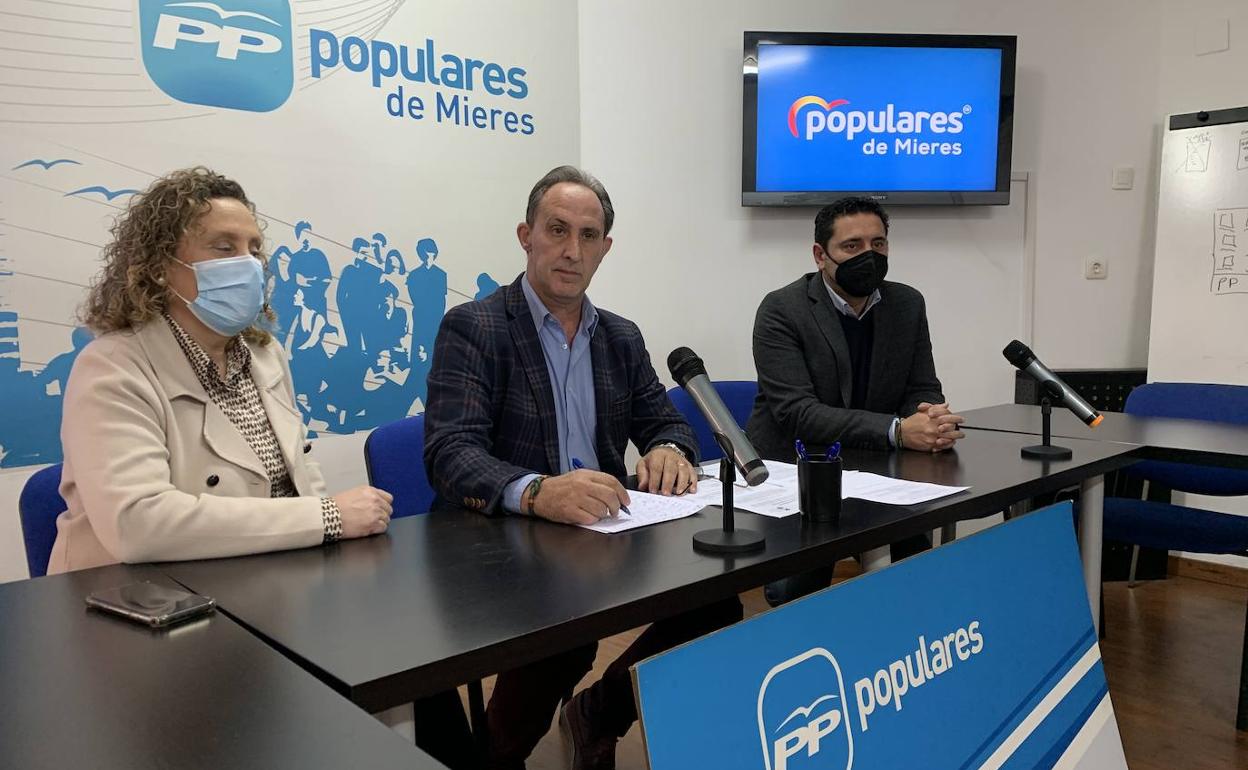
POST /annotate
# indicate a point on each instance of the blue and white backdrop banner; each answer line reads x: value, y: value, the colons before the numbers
x: 978, y: 654
x: 388, y: 144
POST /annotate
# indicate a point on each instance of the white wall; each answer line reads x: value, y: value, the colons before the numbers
x: 661, y: 95
x: 661, y: 102
x: 1190, y: 82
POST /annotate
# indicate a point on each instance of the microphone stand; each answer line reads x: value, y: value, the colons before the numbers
x: 729, y: 539
x: 1045, y: 449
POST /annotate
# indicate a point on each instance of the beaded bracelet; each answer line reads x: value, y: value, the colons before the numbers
x: 532, y: 489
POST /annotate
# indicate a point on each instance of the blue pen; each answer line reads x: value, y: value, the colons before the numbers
x: 801, y: 450
x: 834, y: 451
x: 577, y: 465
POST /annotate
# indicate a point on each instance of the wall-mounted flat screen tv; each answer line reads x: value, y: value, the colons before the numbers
x: 905, y: 119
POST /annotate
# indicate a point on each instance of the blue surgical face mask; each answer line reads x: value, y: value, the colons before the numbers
x: 231, y: 293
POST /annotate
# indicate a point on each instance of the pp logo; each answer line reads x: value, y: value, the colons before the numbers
x: 802, y: 718
x: 240, y: 57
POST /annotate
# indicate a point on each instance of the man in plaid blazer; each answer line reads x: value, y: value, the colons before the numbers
x: 533, y: 396
x: 491, y: 417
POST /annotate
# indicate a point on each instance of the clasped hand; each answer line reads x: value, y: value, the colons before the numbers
x: 933, y: 428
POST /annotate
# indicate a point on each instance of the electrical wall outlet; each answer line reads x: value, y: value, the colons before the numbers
x: 1124, y: 178
x: 1095, y: 268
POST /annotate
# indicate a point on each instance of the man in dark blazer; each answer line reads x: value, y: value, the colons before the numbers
x: 533, y: 396
x: 843, y: 355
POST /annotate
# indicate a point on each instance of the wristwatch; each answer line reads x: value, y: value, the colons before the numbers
x: 672, y: 445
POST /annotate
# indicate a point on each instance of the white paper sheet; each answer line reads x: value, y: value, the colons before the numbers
x: 646, y: 509
x: 883, y: 489
x: 778, y: 495
x: 775, y: 497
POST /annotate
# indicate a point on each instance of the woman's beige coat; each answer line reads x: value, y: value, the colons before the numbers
x: 154, y: 471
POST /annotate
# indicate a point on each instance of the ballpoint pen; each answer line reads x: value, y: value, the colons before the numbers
x: 577, y: 465
x: 834, y: 451
x: 801, y: 450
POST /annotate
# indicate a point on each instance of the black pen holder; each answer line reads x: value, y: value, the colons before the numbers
x: 819, y: 488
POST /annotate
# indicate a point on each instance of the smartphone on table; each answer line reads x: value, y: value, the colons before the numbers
x: 150, y: 604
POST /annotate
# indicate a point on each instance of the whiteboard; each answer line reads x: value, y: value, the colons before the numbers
x: 1199, y: 327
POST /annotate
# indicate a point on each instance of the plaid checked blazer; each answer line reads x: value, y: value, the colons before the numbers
x: 490, y: 417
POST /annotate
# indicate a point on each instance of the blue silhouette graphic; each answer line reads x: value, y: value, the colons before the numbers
x: 385, y: 336
x: 379, y: 244
x: 359, y: 374
x: 359, y: 358
x: 306, y: 269
x: 389, y: 380
x: 46, y: 164
x: 359, y: 291
x: 304, y: 326
x: 395, y: 263
x: 307, y: 346
x: 102, y: 190
x: 31, y: 420
x: 485, y: 286
x: 56, y: 373
x: 371, y: 367
x: 426, y: 287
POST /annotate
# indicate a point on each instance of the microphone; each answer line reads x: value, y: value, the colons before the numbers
x: 1021, y: 357
x: 690, y: 373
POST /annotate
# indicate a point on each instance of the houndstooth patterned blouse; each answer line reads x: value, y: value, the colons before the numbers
x: 239, y: 399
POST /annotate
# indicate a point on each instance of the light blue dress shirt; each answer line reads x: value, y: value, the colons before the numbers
x: 842, y: 305
x: 571, y: 370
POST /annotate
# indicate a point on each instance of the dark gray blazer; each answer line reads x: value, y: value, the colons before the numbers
x: 804, y: 377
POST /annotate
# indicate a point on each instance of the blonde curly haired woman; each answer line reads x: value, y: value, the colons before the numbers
x: 181, y: 436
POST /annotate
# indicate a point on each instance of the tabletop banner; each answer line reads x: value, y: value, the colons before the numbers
x: 978, y: 654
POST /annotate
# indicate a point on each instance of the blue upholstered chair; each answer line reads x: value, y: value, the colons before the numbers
x: 1179, y: 527
x: 394, y: 455
x: 39, y: 505
x: 738, y: 396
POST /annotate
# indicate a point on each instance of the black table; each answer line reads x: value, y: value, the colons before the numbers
x: 83, y: 689
x: 1200, y: 442
x: 446, y: 598
x: 1159, y: 438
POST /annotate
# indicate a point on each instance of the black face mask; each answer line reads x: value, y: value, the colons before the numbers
x: 862, y: 274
